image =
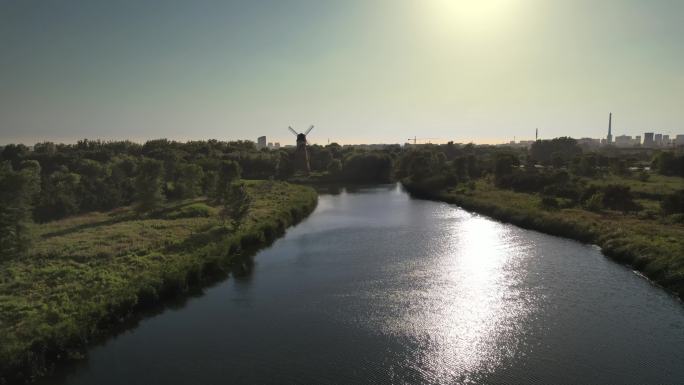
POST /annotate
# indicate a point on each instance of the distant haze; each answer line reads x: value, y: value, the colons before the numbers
x: 362, y: 71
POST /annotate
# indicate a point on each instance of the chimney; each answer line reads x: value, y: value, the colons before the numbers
x: 609, y: 138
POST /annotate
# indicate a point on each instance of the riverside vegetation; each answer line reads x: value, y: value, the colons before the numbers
x: 84, y: 273
x: 629, y: 202
x: 91, y: 232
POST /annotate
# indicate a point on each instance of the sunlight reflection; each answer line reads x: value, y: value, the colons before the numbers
x: 476, y: 316
x: 465, y: 312
x: 482, y: 308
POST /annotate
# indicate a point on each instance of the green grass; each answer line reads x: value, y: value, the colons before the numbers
x: 654, y: 187
x: 651, y: 244
x: 85, y: 273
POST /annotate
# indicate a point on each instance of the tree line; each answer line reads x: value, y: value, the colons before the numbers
x: 558, y: 170
x: 52, y: 181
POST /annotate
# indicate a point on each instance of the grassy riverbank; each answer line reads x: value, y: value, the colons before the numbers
x: 654, y: 246
x: 86, y: 273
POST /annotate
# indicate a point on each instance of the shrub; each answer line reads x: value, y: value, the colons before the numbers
x: 548, y: 202
x: 196, y: 210
x: 673, y: 203
x: 595, y: 202
x: 619, y: 197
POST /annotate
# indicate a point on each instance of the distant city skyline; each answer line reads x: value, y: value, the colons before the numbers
x: 482, y: 71
x: 277, y: 142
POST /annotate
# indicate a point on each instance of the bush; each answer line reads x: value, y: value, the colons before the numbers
x: 548, y: 202
x: 667, y: 163
x: 595, y: 202
x: 675, y: 218
x: 619, y: 197
x: 568, y: 191
x: 673, y: 203
x: 196, y: 210
x: 437, y: 182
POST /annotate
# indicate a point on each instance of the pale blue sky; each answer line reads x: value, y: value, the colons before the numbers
x: 360, y: 70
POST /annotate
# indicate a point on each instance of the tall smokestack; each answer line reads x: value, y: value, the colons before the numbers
x: 610, y: 123
x: 609, y: 138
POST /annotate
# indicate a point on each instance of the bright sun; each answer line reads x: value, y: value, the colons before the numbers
x: 469, y: 15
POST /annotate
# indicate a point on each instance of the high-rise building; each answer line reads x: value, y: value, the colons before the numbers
x: 658, y: 140
x: 589, y: 142
x: 648, y: 139
x: 261, y: 142
x: 624, y: 141
x: 666, y: 140
x: 637, y: 140
x: 679, y: 140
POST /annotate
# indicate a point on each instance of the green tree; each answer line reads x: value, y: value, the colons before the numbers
x: 59, y: 196
x: 504, y: 164
x: 14, y: 153
x: 18, y: 189
x: 122, y: 180
x: 416, y: 165
x: 148, y: 185
x: 461, y: 168
x: 586, y: 165
x: 93, y: 191
x: 236, y: 205
x: 563, y: 149
x: 285, y: 167
x: 188, y: 181
x: 335, y: 167
x: 473, y: 167
x: 367, y: 167
x: 320, y: 157
x: 667, y: 163
x: 619, y: 167
x: 619, y: 197
x: 229, y: 172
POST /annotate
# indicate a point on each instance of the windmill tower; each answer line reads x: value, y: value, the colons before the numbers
x: 301, y: 154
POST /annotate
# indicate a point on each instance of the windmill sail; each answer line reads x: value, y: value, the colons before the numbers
x: 292, y: 130
x: 309, y: 130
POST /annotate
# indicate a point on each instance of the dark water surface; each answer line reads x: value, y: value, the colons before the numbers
x: 376, y: 287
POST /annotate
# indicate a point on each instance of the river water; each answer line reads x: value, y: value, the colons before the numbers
x: 376, y: 287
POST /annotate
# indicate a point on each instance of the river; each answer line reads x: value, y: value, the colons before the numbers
x: 376, y: 287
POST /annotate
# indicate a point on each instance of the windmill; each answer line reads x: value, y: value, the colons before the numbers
x: 301, y: 154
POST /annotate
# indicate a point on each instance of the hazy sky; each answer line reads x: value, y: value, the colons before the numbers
x: 360, y: 70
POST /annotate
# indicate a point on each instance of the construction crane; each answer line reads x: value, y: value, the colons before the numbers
x: 416, y: 139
